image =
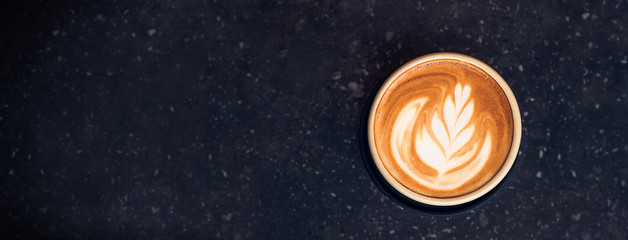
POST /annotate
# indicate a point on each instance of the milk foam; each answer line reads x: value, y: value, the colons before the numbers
x: 442, y: 129
x: 439, y: 142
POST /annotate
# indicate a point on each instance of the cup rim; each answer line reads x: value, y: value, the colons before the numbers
x: 484, y: 189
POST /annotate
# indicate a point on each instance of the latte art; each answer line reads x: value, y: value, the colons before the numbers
x: 443, y: 128
x: 440, y: 138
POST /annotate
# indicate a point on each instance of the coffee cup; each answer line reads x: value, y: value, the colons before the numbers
x: 444, y: 129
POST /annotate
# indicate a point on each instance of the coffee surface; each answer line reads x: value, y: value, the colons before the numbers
x: 443, y: 128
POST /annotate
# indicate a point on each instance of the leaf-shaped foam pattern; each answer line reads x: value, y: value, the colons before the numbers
x: 444, y: 139
x: 451, y: 132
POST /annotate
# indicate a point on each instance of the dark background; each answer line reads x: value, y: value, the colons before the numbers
x: 241, y: 120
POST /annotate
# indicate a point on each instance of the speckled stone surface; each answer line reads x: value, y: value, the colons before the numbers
x: 225, y: 120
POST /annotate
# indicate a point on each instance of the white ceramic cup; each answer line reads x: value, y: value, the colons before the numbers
x: 503, y: 171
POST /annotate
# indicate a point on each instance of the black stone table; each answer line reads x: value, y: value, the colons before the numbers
x: 241, y: 119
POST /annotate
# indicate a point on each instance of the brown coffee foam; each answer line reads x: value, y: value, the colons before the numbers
x: 435, y: 80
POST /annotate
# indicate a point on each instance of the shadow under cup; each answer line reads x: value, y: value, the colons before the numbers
x: 410, y: 199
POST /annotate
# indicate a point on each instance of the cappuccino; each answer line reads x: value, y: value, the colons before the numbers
x: 443, y: 128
